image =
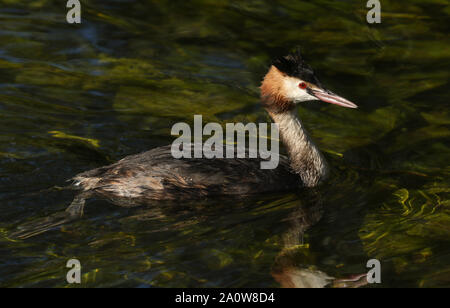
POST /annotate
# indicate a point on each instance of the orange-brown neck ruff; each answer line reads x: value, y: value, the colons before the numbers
x: 272, y: 92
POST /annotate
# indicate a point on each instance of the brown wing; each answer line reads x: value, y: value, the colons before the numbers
x: 157, y: 175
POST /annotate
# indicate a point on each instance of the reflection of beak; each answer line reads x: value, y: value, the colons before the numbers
x: 330, y: 97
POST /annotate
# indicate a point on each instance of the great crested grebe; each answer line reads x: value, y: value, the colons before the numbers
x: 156, y: 175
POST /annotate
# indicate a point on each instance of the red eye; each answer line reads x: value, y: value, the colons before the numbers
x: 302, y: 85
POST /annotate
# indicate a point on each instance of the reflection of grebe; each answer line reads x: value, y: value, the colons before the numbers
x: 156, y: 175
x: 291, y: 268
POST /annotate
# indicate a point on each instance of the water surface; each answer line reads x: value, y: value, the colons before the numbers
x: 75, y: 97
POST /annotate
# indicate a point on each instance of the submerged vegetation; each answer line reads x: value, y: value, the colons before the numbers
x: 74, y: 97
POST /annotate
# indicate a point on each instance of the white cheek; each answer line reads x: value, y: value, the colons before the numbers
x: 294, y: 93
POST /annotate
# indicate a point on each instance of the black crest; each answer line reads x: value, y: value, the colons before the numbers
x: 293, y: 65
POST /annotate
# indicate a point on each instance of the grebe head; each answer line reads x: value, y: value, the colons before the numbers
x: 291, y: 81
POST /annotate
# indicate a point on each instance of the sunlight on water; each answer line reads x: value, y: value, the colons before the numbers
x: 75, y: 97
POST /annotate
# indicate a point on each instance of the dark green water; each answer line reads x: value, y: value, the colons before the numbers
x: 75, y: 97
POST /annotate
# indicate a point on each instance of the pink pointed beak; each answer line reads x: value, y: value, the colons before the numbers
x: 330, y: 97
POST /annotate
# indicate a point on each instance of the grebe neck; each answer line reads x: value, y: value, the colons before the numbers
x: 305, y: 158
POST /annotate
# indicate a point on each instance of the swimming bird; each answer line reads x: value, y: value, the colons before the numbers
x: 156, y: 175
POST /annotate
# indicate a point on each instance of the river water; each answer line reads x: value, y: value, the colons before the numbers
x: 75, y: 97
